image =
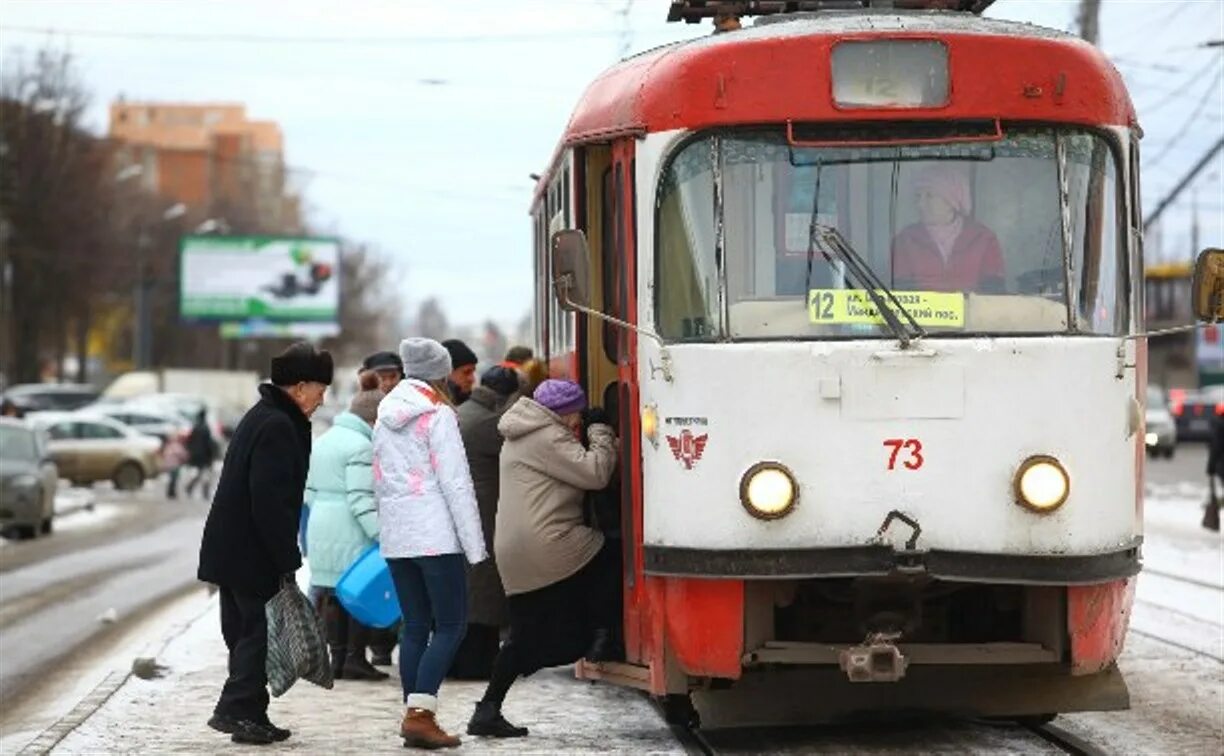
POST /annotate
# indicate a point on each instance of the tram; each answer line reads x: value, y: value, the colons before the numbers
x: 862, y: 287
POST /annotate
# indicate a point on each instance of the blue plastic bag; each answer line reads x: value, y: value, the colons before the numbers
x: 366, y: 591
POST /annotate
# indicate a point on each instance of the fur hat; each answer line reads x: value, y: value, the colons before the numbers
x: 460, y: 353
x: 425, y: 359
x: 302, y: 363
x: 560, y: 396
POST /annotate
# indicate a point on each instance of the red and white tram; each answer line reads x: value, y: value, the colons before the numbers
x: 878, y: 384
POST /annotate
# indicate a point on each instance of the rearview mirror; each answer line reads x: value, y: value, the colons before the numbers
x: 1207, y: 289
x: 570, y: 269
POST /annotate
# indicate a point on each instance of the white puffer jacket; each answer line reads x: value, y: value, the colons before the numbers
x: 426, y: 503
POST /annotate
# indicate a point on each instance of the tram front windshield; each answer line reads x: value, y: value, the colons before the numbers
x: 970, y: 239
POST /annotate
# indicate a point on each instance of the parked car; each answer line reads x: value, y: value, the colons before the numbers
x: 1161, y: 436
x: 44, y: 397
x: 28, y: 479
x: 151, y: 421
x: 1193, y: 411
x: 88, y: 448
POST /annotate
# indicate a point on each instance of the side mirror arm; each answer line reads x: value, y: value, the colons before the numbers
x: 665, y: 367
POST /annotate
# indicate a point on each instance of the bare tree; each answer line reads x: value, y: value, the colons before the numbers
x: 58, y: 242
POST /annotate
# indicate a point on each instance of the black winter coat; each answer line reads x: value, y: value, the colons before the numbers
x: 478, y: 426
x: 201, y: 449
x: 250, y: 537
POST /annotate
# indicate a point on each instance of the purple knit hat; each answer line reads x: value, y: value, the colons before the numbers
x: 562, y: 397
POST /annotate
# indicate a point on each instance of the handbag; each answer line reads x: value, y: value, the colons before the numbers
x: 297, y: 646
x: 367, y: 592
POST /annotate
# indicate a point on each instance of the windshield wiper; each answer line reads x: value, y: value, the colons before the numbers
x: 831, y: 238
x: 851, y: 260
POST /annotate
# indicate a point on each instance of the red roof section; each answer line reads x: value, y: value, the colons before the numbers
x: 779, y: 72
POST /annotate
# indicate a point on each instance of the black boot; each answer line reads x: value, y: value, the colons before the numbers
x: 605, y: 647
x: 489, y: 722
x: 355, y: 665
x: 335, y: 625
x: 357, y: 668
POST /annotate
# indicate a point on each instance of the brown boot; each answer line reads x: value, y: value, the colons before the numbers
x: 420, y: 730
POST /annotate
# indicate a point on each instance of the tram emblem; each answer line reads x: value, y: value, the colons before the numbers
x: 687, y: 448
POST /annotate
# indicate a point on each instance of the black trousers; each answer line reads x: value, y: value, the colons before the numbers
x: 554, y: 625
x: 245, y: 629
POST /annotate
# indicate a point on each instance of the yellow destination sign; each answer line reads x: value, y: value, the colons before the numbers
x: 853, y: 306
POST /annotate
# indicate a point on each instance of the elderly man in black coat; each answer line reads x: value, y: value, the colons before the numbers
x: 250, y: 538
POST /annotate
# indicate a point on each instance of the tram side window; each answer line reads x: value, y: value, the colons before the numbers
x: 686, y: 271
x: 1101, y: 295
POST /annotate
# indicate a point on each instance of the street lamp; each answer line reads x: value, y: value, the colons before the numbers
x: 213, y: 226
x: 142, y: 333
x: 129, y: 172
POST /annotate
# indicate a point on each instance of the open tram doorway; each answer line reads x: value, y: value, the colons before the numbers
x: 607, y: 366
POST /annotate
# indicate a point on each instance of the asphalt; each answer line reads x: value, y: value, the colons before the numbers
x: 99, y: 571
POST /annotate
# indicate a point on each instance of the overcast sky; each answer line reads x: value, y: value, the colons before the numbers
x: 414, y: 125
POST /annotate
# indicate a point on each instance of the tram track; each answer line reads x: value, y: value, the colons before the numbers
x: 1176, y: 644
x: 833, y: 738
x: 1183, y: 579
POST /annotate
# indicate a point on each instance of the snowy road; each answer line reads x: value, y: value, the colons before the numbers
x: 100, y: 568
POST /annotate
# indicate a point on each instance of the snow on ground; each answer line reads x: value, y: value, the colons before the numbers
x: 170, y: 714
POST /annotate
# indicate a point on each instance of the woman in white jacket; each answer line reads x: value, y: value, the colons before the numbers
x: 429, y: 522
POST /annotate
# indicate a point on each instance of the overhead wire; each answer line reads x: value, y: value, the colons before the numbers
x: 245, y: 38
x: 1180, y: 89
x: 1198, y: 109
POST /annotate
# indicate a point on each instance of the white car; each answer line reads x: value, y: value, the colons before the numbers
x: 149, y: 420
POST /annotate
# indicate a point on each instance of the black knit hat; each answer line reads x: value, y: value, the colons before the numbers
x: 502, y: 380
x: 383, y: 361
x: 460, y: 353
x: 302, y: 363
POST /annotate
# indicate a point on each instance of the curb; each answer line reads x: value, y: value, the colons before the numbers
x: 102, y: 692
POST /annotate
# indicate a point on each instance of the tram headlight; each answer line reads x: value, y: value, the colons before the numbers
x: 768, y: 490
x: 1042, y: 484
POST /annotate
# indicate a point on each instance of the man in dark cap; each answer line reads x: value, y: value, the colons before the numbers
x: 250, y: 544
x: 517, y: 356
x: 462, y: 379
x: 387, y: 366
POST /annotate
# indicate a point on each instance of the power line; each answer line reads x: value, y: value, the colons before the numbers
x: 315, y: 40
x: 1180, y: 89
x: 1198, y: 109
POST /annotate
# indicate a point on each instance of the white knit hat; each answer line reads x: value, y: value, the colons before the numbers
x: 425, y: 359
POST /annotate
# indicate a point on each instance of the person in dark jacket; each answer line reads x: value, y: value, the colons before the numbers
x: 463, y: 371
x: 201, y: 453
x: 250, y: 544
x: 487, y: 610
x: 388, y: 368
x: 1215, y: 474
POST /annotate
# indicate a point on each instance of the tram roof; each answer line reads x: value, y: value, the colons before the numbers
x: 999, y: 69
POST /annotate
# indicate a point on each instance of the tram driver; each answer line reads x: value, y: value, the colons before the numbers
x: 946, y: 250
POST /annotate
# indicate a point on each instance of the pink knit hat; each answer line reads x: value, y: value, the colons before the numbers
x: 949, y: 184
x: 560, y: 396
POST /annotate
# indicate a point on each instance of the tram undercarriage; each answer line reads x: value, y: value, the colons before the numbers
x: 835, y: 649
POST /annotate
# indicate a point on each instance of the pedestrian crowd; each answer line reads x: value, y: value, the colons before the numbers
x: 479, y: 492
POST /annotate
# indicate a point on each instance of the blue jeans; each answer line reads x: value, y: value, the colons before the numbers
x: 432, y: 593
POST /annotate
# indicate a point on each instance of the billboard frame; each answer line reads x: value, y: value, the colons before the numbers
x: 217, y: 320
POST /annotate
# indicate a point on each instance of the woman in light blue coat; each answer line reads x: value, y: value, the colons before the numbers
x: 343, y: 523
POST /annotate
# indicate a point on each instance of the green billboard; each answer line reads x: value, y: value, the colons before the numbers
x: 270, y: 278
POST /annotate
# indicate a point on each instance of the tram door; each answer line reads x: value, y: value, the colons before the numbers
x: 610, y: 367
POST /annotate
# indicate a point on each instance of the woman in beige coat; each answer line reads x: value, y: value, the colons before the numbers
x: 551, y: 563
